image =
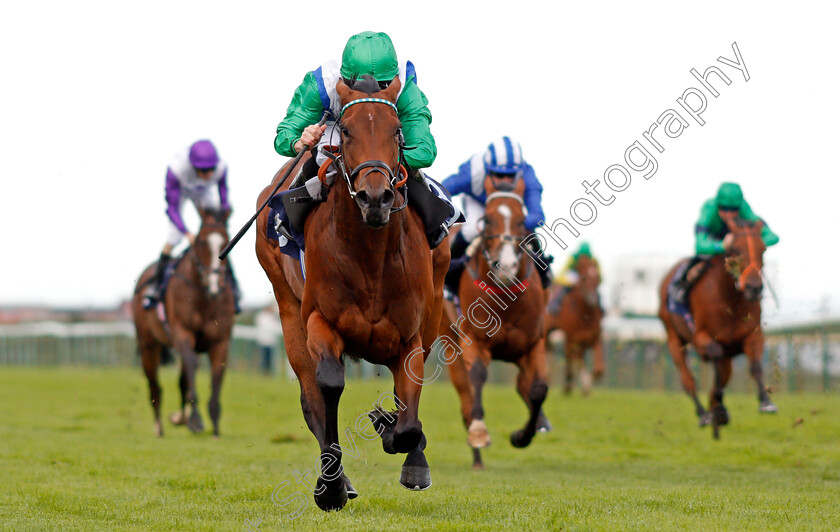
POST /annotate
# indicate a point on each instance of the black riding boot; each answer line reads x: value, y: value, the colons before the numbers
x: 457, y: 262
x: 153, y: 293
x: 538, y: 255
x: 682, y: 286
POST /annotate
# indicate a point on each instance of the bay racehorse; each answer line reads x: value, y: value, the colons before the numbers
x: 579, y: 317
x: 725, y: 320
x: 503, y: 304
x: 199, y: 313
x: 373, y: 289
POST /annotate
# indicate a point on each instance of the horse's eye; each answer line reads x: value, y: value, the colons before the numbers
x: 345, y: 132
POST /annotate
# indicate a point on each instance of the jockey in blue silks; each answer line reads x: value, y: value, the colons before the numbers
x: 502, y: 160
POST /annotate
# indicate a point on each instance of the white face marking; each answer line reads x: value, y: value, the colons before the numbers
x: 507, y: 256
x: 214, y: 241
x: 507, y: 214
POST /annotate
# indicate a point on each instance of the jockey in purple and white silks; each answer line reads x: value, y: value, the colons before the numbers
x: 502, y: 160
x: 196, y: 174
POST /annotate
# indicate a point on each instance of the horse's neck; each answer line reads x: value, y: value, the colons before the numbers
x: 723, y: 282
x: 353, y: 234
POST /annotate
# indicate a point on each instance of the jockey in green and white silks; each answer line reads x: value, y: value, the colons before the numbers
x: 711, y: 230
x: 712, y: 234
x: 365, y: 53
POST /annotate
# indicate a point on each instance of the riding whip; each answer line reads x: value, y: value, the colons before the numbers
x: 248, y: 225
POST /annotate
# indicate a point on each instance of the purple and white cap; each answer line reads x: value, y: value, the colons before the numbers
x: 203, y: 155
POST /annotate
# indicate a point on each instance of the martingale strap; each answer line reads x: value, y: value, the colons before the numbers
x: 368, y: 100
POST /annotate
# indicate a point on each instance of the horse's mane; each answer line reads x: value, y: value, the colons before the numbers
x: 366, y: 83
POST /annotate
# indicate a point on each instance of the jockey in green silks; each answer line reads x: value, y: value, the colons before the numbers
x: 711, y: 232
x: 366, y: 53
x: 369, y: 63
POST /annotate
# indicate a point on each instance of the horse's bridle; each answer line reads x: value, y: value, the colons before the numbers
x: 751, y: 255
x: 205, y: 271
x: 505, y: 239
x: 397, y: 180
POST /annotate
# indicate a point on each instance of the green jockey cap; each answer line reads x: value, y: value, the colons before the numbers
x: 729, y: 195
x: 582, y: 250
x: 370, y: 53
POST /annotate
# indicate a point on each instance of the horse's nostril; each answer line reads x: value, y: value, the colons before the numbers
x: 362, y: 199
x: 387, y: 199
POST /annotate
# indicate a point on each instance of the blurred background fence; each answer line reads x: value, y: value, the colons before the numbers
x: 796, y: 358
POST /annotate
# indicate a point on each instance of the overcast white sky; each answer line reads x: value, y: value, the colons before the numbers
x: 98, y: 96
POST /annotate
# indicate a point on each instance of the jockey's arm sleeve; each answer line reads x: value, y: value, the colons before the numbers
x: 223, y: 192
x: 460, y: 183
x: 305, y: 109
x: 173, y: 200
x: 705, y: 243
x: 533, y: 199
x: 769, y: 237
x: 416, y: 118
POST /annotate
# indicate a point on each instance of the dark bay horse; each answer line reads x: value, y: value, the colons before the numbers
x: 725, y: 303
x: 373, y: 290
x: 579, y: 317
x: 503, y: 302
x: 199, y: 307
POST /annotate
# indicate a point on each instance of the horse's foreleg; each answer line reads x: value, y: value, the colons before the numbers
x: 754, y: 349
x: 598, y: 362
x: 570, y: 350
x: 723, y: 370
x: 325, y: 347
x: 150, y: 356
x: 184, y: 343
x: 408, y: 434
x: 532, y: 386
x: 476, y: 361
x: 179, y: 417
x: 218, y: 362
x: 678, y: 355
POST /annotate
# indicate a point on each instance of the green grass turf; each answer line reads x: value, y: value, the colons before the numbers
x: 77, y: 452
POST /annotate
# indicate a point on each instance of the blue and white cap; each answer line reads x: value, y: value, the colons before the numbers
x: 504, y: 156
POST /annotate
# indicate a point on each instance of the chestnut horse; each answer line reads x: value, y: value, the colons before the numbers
x: 373, y: 290
x: 579, y: 317
x: 504, y: 319
x: 199, y: 307
x: 726, y: 309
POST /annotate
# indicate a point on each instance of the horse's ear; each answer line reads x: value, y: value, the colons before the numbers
x: 393, y: 89
x: 202, y: 213
x: 226, y: 214
x: 759, y: 224
x: 489, y: 186
x: 343, y: 91
x: 519, y: 187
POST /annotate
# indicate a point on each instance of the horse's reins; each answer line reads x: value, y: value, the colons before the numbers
x: 335, y: 157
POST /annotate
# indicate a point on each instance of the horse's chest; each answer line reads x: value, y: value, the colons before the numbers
x: 366, y: 335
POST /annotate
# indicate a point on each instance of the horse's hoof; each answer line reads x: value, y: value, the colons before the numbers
x: 177, y: 418
x: 705, y: 419
x: 721, y: 416
x: 158, y: 429
x: 416, y: 478
x: 542, y: 424
x: 330, y: 499
x: 195, y: 424
x: 767, y: 408
x: 478, y: 467
x: 351, y: 491
x: 477, y: 436
x: 519, y: 439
